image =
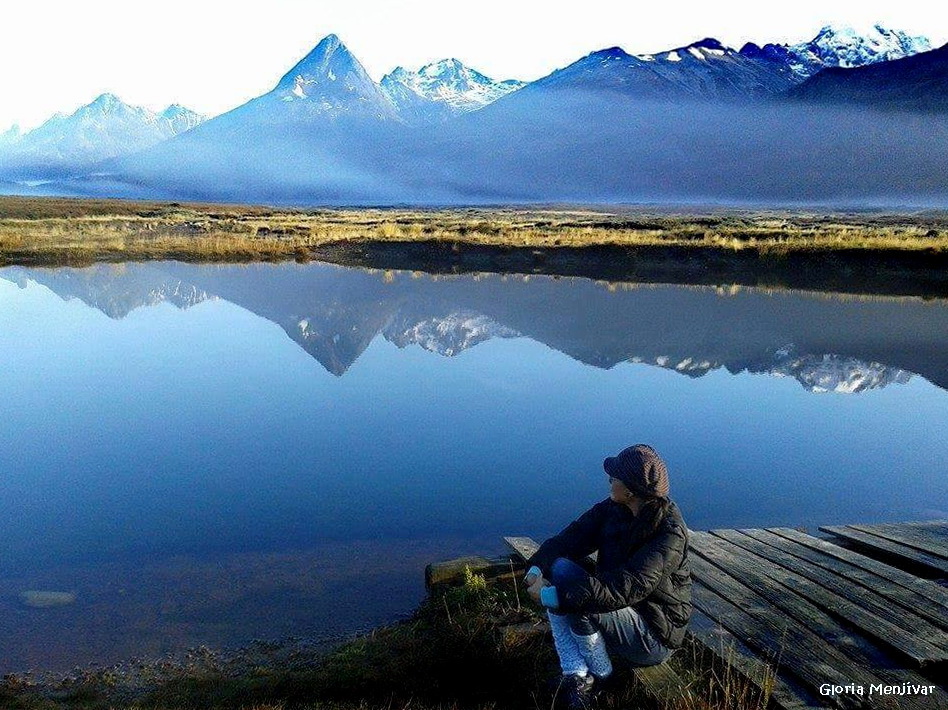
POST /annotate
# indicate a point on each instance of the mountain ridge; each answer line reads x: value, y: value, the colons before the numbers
x: 699, y: 122
x: 105, y: 128
x: 918, y: 82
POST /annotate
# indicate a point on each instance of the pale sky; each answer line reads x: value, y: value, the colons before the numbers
x: 212, y: 55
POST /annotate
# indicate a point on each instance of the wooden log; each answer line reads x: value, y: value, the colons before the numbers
x: 934, y: 566
x: 930, y: 642
x: 909, y: 599
x: 924, y: 587
x: 453, y: 571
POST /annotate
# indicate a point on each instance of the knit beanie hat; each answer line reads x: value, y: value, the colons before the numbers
x: 641, y: 469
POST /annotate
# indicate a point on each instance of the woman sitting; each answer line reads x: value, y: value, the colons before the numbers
x: 637, y: 602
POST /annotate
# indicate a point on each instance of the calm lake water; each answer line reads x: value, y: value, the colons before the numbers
x: 213, y: 454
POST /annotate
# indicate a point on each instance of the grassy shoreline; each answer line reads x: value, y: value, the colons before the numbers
x: 54, y: 230
x: 468, y: 647
x: 871, y: 253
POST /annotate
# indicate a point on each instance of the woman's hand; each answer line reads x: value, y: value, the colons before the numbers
x: 534, y: 589
x: 531, y: 576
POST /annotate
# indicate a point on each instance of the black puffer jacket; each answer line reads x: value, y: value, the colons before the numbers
x: 633, y: 568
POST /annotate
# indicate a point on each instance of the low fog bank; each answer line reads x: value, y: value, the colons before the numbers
x: 555, y: 146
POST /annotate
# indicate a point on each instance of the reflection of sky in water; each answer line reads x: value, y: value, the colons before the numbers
x: 206, y: 432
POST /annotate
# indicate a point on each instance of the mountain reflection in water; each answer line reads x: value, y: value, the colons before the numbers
x: 827, y: 343
x: 191, y: 476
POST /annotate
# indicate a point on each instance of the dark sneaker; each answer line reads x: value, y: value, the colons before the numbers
x: 576, y: 692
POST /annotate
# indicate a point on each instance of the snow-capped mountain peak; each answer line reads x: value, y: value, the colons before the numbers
x: 106, y: 102
x: 834, y: 373
x: 840, y: 46
x: 447, y: 82
x: 12, y: 134
x: 707, y: 48
x: 105, y: 128
x: 331, y: 80
x: 845, y: 46
x: 329, y: 60
x: 330, y: 66
x: 181, y: 118
x: 443, y: 67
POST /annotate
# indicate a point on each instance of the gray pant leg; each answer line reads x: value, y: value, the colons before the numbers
x: 626, y: 635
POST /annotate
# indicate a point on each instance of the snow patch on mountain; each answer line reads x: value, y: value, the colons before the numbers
x: 447, y: 336
x: 817, y: 373
x: 181, y: 119
x: 835, y: 373
x: 701, y: 50
x: 705, y: 70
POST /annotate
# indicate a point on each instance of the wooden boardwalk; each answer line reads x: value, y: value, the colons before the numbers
x: 823, y: 614
x: 796, y: 613
x: 918, y: 546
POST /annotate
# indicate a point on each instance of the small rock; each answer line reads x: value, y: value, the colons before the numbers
x: 45, y: 600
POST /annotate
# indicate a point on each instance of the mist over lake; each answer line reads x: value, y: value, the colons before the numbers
x: 212, y: 454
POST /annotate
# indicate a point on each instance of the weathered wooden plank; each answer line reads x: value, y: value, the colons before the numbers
x: 452, y: 571
x: 775, y: 638
x: 910, y: 600
x: 785, y: 693
x: 789, y: 593
x: 924, y: 587
x: 796, y: 596
x: 930, y: 540
x: 928, y: 636
x: 934, y: 565
x: 526, y: 547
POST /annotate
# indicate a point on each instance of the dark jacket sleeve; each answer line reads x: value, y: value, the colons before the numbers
x: 632, y: 582
x: 575, y: 541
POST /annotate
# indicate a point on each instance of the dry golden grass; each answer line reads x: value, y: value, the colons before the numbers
x: 52, y: 231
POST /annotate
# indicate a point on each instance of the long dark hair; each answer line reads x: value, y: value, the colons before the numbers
x: 651, y: 516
